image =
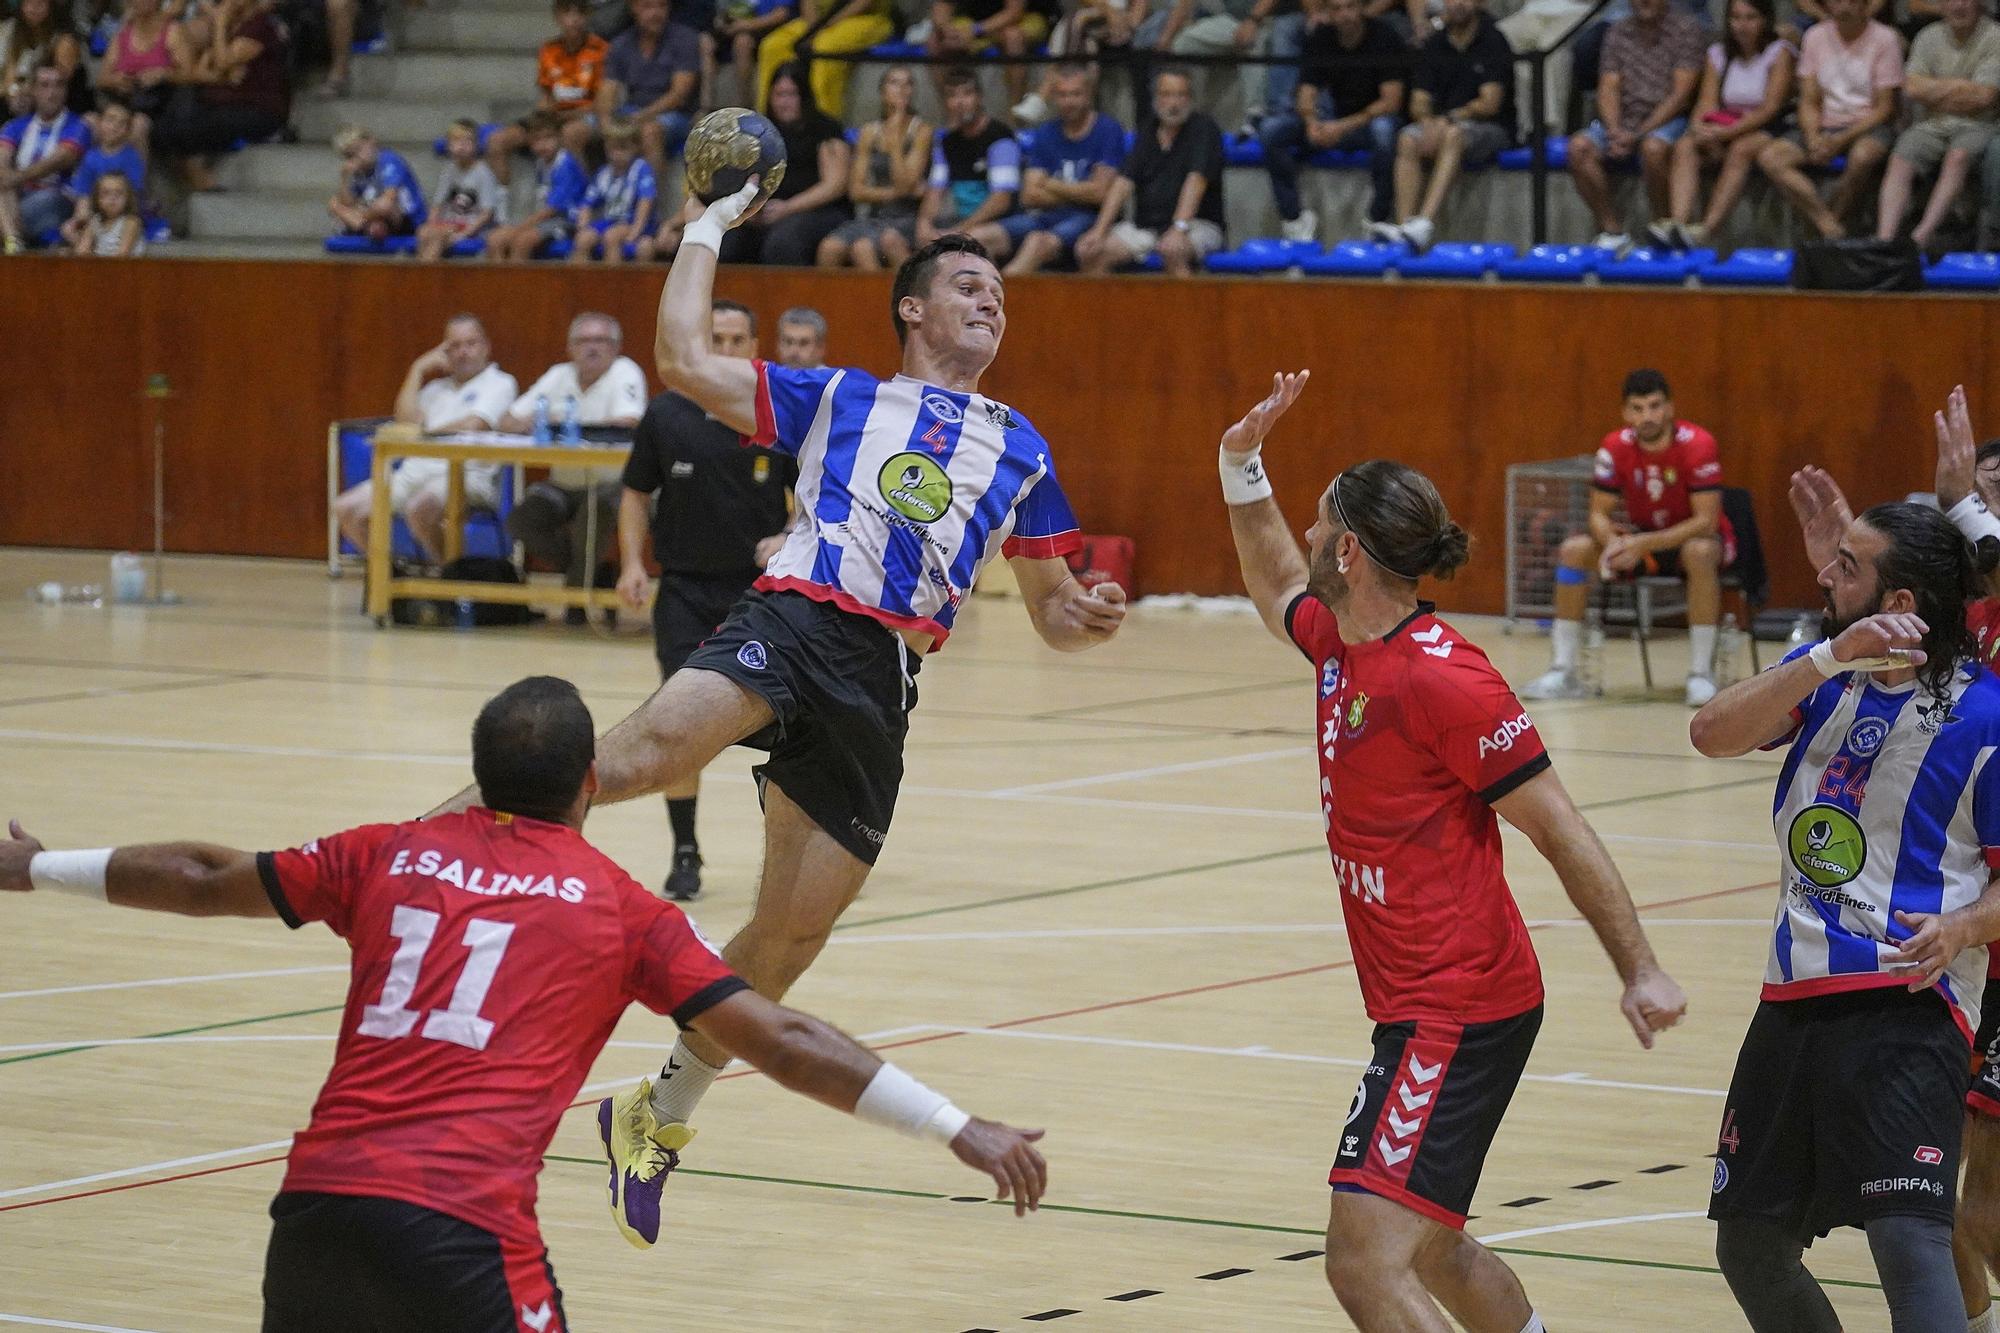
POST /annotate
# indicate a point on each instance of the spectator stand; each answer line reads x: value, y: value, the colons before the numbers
x: 350, y: 454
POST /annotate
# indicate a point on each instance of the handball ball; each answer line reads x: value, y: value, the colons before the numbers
x: 726, y: 148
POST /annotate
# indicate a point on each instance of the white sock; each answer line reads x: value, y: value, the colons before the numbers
x: 683, y: 1081
x: 1987, y: 1322
x: 1566, y: 636
x: 1534, y: 1324
x: 1701, y: 649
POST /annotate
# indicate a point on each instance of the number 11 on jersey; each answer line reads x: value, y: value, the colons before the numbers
x: 459, y: 1024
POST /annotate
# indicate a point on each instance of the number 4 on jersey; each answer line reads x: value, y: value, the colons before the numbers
x: 460, y: 1024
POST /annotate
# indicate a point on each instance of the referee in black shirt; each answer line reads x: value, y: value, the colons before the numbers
x: 718, y: 510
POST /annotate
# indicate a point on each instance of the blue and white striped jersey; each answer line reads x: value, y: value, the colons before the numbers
x: 905, y: 491
x: 1887, y: 802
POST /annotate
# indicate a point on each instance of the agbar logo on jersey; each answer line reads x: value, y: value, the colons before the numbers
x: 1504, y: 735
x: 431, y: 864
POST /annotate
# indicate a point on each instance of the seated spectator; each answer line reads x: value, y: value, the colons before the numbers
x: 975, y: 169
x: 1645, y: 85
x: 740, y: 28
x: 1070, y: 168
x: 1744, y: 90
x: 1285, y: 42
x: 1849, y: 71
x: 41, y: 32
x: 37, y: 153
x: 113, y: 152
x: 453, y: 387
x: 467, y: 200
x: 1173, y: 179
x: 1226, y: 28
x: 1461, y: 115
x: 560, y: 185
x: 138, y: 67
x: 603, y: 389
x: 236, y: 89
x: 1666, y: 473
x: 885, y: 181
x: 651, y: 76
x: 618, y: 207
x: 568, y: 72
x: 811, y: 201
x: 1953, y: 81
x: 340, y: 27
x: 379, y: 195
x: 802, y: 338
x: 972, y: 27
x: 856, y: 25
x: 111, y: 227
x: 1351, y: 106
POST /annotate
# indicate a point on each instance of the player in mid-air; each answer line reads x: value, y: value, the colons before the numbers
x: 494, y: 952
x: 906, y: 488
x: 1420, y: 743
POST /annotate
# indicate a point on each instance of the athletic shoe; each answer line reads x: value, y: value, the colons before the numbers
x: 1615, y: 241
x: 1418, y: 232
x: 1556, y: 683
x: 1304, y: 227
x: 1387, y: 233
x: 1700, y: 689
x: 1664, y: 236
x: 642, y: 1153
x: 684, y: 881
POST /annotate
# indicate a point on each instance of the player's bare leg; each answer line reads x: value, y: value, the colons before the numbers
x: 1975, y: 1240
x: 1576, y: 565
x: 1473, y: 1283
x: 1381, y: 1259
x: 1701, y: 566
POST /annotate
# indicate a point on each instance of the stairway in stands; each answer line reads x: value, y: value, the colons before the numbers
x: 451, y: 58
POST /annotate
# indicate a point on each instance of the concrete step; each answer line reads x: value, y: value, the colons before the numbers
x: 303, y: 166
x: 505, y: 32
x: 415, y: 119
x: 287, y: 215
x: 439, y: 74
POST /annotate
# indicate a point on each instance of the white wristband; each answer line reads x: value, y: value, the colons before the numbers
x: 1821, y: 656
x: 705, y: 232
x: 1244, y: 481
x: 896, y: 1101
x: 1972, y: 518
x: 80, y: 873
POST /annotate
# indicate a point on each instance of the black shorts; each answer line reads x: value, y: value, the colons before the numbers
x: 342, y: 1263
x: 1983, y: 1097
x: 1844, y: 1108
x: 1427, y: 1109
x: 842, y: 687
x: 689, y: 608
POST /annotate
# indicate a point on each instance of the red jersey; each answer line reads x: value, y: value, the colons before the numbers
x: 1658, y: 485
x: 493, y: 956
x: 1418, y: 736
x: 1982, y: 617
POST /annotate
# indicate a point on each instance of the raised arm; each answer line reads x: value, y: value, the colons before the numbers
x: 804, y: 1055
x: 1274, y: 568
x: 724, y: 386
x: 189, y: 878
x: 1957, y: 481
x: 1755, y: 712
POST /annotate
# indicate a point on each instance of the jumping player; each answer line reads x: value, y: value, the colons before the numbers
x: 906, y: 488
x: 494, y: 952
x: 1420, y: 743
x: 1846, y: 1105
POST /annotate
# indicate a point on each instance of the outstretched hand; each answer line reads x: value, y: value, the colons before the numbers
x: 1248, y: 434
x: 1823, y: 513
x: 15, y: 853
x: 1957, y: 452
x: 1009, y: 1156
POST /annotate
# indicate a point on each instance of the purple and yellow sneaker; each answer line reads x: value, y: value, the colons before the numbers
x: 642, y: 1153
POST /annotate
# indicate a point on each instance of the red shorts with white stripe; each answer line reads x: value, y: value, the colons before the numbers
x: 1427, y: 1109
x: 1983, y: 1098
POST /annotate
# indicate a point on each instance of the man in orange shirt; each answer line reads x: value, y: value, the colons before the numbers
x: 568, y: 70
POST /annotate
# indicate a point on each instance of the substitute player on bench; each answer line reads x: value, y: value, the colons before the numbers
x: 1846, y: 1107
x: 494, y: 952
x: 907, y: 487
x: 1420, y: 743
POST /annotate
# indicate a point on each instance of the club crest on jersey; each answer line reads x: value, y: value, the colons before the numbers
x: 999, y: 417
x: 1329, y: 679
x: 752, y: 655
x: 1865, y: 737
x: 1827, y: 846
x: 1721, y: 1176
x: 1931, y: 717
x: 916, y: 487
x: 943, y: 408
x: 1356, y: 714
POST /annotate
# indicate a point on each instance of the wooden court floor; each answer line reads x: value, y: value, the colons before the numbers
x: 1106, y: 910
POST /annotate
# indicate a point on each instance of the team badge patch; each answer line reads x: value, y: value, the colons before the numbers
x: 1721, y: 1176
x: 752, y: 655
x: 943, y: 408
x: 1865, y: 737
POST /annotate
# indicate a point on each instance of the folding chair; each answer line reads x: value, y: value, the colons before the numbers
x: 1748, y: 578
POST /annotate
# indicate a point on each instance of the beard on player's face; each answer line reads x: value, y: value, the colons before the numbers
x: 1837, y: 622
x: 1323, y: 577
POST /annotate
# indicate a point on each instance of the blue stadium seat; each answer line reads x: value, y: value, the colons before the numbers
x: 352, y: 245
x: 1242, y: 151
x: 470, y: 248
x: 1523, y: 158
x: 485, y: 531
x: 1352, y: 259
x: 1965, y: 272
x: 158, y: 230
x: 1454, y: 259
x: 1152, y: 263
x: 1248, y: 151
x: 1550, y: 263
x: 1261, y: 254
x: 895, y: 50
x: 1653, y: 267
x: 1748, y: 268
x: 400, y: 245
x: 559, y: 248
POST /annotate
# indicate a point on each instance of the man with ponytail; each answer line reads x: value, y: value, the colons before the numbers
x: 1845, y: 1108
x: 1420, y: 744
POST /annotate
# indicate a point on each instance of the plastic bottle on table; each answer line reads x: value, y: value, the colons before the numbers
x: 572, y: 423
x: 464, y: 620
x: 542, y: 435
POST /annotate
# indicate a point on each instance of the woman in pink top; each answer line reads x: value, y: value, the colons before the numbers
x: 138, y: 66
x: 1745, y: 87
x: 1849, y: 72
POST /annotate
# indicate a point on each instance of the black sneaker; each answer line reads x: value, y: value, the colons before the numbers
x: 684, y: 882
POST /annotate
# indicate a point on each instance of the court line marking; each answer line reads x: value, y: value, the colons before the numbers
x: 1154, y: 771
x: 171, y: 981
x: 66, y: 1323
x: 1587, y: 1226
x: 219, y: 1155
x: 1147, y: 932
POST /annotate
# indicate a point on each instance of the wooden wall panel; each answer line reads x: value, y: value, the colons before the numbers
x: 1130, y: 378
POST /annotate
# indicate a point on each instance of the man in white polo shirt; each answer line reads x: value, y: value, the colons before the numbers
x: 453, y: 387
x: 607, y: 390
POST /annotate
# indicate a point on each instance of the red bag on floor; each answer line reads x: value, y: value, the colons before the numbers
x: 1104, y: 560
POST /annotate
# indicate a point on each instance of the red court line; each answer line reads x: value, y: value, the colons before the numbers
x: 919, y: 1041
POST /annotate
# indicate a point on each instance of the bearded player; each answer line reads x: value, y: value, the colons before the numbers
x: 906, y: 489
x: 1420, y: 744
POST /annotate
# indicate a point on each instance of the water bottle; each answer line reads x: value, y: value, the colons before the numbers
x: 1805, y: 630
x: 542, y: 435
x: 1590, y: 660
x: 464, y: 620
x: 75, y: 594
x: 1730, y: 646
x: 572, y: 426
